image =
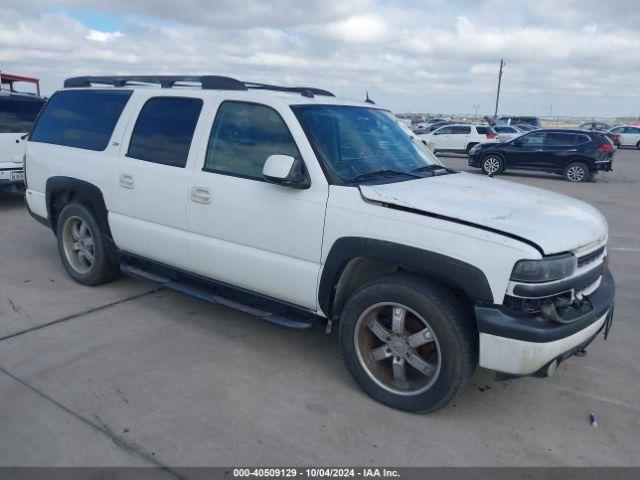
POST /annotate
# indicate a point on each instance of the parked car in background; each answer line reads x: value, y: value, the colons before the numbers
x: 507, y: 132
x: 459, y: 138
x: 510, y: 120
x: 595, y: 126
x: 526, y: 127
x: 18, y: 111
x: 576, y: 154
x: 629, y: 135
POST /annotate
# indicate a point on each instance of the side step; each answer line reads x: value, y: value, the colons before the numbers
x: 209, y: 296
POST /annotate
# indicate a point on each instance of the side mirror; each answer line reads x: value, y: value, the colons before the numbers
x: 517, y: 143
x: 286, y: 171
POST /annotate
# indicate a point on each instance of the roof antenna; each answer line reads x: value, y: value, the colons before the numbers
x: 368, y: 100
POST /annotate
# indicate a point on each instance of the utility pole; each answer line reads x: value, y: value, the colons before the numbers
x: 475, y: 116
x: 495, y: 115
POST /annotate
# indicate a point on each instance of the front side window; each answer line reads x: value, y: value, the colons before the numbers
x: 533, y: 140
x: 164, y: 130
x: 444, y: 131
x: 243, y: 136
x: 80, y: 118
x: 356, y: 141
x: 17, y: 114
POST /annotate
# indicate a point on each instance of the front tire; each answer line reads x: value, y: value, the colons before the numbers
x: 577, y: 172
x: 492, y: 165
x: 408, y: 342
x: 81, y: 247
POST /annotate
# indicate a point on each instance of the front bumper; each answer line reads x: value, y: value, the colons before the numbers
x: 524, y: 344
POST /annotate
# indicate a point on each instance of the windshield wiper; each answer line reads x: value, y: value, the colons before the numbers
x: 431, y: 168
x: 376, y: 173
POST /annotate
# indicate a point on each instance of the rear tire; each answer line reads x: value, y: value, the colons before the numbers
x: 577, y: 172
x: 492, y: 165
x: 418, y: 360
x: 81, y: 247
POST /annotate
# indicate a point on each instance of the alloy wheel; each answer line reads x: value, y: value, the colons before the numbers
x: 397, y: 348
x: 78, y: 244
x: 491, y: 165
x: 576, y: 173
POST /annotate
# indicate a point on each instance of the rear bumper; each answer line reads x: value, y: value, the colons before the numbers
x: 524, y: 344
x: 5, y: 177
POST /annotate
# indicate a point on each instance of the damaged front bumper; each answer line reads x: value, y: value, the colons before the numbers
x: 524, y: 344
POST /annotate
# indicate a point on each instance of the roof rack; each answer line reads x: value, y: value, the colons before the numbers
x: 207, y: 82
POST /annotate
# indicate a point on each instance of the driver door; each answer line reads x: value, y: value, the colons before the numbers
x: 243, y: 230
x: 526, y: 152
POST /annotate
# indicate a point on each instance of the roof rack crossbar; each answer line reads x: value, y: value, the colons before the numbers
x: 207, y: 82
x: 212, y: 82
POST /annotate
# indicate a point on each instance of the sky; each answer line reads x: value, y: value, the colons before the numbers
x: 563, y: 57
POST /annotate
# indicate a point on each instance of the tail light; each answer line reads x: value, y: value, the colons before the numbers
x: 491, y: 135
x: 606, y: 148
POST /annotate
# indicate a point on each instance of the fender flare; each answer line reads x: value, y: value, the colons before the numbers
x: 92, y: 196
x: 452, y: 271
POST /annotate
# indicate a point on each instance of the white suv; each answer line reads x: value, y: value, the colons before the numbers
x: 298, y: 207
x: 17, y: 114
x: 459, y: 138
x: 629, y: 135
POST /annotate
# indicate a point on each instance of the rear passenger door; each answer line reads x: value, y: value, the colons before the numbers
x: 459, y: 138
x: 150, y: 180
x: 248, y: 232
x: 559, y: 149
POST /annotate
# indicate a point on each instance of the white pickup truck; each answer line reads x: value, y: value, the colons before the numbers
x: 299, y: 207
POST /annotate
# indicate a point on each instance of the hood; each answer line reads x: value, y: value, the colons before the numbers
x: 556, y: 223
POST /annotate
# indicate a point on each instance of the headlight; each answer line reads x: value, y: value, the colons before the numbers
x: 475, y: 148
x: 545, y: 270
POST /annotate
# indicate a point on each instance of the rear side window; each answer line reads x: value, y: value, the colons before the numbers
x: 164, y: 130
x: 560, y: 139
x: 243, y: 136
x: 18, y: 114
x: 460, y: 130
x: 489, y: 130
x: 80, y: 118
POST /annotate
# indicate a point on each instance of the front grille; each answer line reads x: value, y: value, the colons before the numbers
x: 590, y: 257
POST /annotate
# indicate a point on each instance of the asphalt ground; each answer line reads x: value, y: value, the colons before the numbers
x: 126, y: 375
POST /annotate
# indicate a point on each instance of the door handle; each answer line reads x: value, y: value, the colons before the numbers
x: 201, y: 195
x: 126, y: 181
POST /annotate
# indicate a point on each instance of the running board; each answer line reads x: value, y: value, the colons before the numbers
x: 203, y: 294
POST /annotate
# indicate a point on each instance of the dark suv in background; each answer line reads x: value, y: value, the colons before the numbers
x: 575, y: 154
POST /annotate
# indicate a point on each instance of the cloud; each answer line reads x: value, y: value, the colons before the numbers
x: 427, y: 55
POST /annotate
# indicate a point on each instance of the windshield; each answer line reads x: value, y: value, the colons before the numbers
x: 355, y: 141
